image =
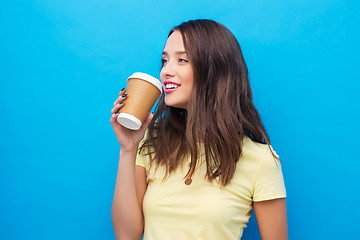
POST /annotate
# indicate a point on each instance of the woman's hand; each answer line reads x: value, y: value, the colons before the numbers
x: 128, y: 139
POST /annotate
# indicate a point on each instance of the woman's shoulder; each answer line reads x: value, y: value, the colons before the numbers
x: 257, y: 152
x: 258, y: 164
x: 266, y: 176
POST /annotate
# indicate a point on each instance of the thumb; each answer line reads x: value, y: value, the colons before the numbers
x: 147, y: 121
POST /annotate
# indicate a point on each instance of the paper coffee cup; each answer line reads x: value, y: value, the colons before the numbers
x: 143, y: 90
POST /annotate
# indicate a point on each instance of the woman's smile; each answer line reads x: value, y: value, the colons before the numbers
x: 170, y: 86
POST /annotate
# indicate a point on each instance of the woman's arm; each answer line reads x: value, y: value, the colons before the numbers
x: 126, y: 212
x: 272, y: 219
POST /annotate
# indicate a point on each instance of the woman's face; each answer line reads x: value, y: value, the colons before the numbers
x: 176, y: 74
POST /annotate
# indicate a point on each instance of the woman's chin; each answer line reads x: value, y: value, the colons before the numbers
x: 175, y: 105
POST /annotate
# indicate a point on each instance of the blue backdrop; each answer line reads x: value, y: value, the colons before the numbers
x: 62, y: 64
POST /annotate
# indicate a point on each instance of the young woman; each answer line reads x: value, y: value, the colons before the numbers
x: 206, y: 160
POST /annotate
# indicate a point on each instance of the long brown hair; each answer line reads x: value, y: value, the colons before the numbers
x: 220, y: 110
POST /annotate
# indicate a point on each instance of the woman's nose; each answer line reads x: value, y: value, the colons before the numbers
x: 167, y: 69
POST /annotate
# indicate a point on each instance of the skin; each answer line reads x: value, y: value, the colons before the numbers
x: 127, y: 213
x: 176, y: 68
x: 272, y: 219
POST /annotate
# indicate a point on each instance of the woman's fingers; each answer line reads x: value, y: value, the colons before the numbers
x: 113, y: 118
x: 118, y: 106
x: 122, y: 91
x: 119, y: 102
x: 121, y: 97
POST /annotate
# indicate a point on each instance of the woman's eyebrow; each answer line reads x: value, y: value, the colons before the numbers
x: 177, y: 53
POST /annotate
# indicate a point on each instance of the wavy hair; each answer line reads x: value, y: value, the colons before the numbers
x: 220, y: 110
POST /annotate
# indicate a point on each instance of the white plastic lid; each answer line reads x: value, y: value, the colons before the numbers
x: 129, y: 121
x: 148, y: 78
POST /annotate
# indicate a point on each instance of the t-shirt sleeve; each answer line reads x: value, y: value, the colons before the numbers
x: 269, y: 182
x: 140, y: 160
x: 140, y: 156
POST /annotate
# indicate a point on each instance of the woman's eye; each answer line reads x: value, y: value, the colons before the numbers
x: 165, y: 61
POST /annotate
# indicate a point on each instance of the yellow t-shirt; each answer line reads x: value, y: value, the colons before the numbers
x: 203, y: 210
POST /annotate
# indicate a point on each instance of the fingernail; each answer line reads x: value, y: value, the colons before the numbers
x: 124, y: 95
x: 122, y: 89
x: 116, y: 112
x: 121, y: 102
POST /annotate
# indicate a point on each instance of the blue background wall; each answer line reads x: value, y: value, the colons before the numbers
x: 62, y: 64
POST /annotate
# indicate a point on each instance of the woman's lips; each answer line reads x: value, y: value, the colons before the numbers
x: 170, y: 86
x: 170, y: 90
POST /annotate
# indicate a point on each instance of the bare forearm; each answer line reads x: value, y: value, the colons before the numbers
x: 126, y: 213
